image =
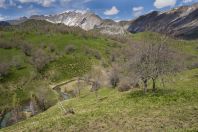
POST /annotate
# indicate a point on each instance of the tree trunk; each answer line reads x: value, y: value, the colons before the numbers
x: 15, y: 113
x: 145, y: 86
x: 154, y: 86
x: 32, y: 107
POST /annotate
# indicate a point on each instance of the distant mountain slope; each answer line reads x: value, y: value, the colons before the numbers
x: 85, y: 20
x: 179, y: 22
x: 4, y: 23
x: 17, y: 21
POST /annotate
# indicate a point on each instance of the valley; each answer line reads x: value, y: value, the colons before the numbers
x: 75, y: 71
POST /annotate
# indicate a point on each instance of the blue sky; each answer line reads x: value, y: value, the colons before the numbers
x: 112, y: 9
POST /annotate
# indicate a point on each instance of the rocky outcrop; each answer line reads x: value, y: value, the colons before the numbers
x: 85, y: 20
x: 111, y: 27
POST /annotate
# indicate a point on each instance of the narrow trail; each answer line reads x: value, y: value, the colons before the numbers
x: 54, y: 87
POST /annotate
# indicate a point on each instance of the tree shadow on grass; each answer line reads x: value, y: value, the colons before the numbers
x: 161, y: 96
x: 150, y: 93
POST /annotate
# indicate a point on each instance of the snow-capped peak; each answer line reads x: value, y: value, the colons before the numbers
x: 75, y: 11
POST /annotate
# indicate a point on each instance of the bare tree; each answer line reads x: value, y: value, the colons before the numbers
x: 40, y: 59
x: 147, y: 61
x: 78, y: 87
x: 4, y: 69
x: 96, y: 77
x: 114, y: 76
x: 15, y: 105
x: 27, y: 49
x: 153, y: 61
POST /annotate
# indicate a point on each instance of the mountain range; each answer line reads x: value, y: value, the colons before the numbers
x: 179, y: 22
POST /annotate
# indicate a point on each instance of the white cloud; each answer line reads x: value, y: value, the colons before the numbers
x: 139, y: 8
x: 2, y: 17
x: 2, y: 4
x: 45, y: 3
x: 137, y: 11
x: 32, y: 12
x: 164, y: 3
x: 187, y: 1
x: 112, y: 11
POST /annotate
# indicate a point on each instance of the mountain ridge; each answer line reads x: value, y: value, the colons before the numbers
x: 179, y: 22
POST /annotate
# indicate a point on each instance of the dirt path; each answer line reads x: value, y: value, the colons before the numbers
x: 68, y: 82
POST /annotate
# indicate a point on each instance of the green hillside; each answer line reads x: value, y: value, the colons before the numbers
x: 36, y: 56
x: 173, y: 108
x: 67, y: 55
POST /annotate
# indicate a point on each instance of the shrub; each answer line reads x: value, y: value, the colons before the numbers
x: 43, y: 46
x: 124, y: 86
x: 4, y: 69
x: 70, y: 49
x: 27, y: 49
x: 16, y: 63
x: 6, y: 45
x: 40, y: 59
x: 114, y: 78
x: 52, y: 48
x: 92, y: 52
x: 193, y: 66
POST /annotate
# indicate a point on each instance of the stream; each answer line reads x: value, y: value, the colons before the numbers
x: 25, y: 112
x: 26, y: 108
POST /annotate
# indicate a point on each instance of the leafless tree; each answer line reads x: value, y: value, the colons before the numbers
x: 96, y: 77
x: 153, y: 61
x: 27, y: 49
x: 4, y: 69
x: 149, y: 61
x: 15, y: 105
x: 40, y: 59
x: 114, y: 76
x: 78, y: 87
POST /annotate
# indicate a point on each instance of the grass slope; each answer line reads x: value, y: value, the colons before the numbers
x: 42, y: 35
x: 173, y: 108
x: 65, y: 66
x: 186, y: 46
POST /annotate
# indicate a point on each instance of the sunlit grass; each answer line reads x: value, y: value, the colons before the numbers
x: 173, y: 108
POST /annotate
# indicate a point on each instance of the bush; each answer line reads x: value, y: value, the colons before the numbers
x: 70, y: 49
x: 124, y: 86
x: 114, y: 78
x: 6, y: 45
x: 52, y: 48
x: 4, y: 69
x: 40, y: 59
x: 193, y: 66
x: 43, y: 46
x: 27, y: 49
x: 16, y: 63
x: 92, y: 52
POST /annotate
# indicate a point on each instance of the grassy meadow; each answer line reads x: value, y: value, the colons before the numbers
x: 173, y: 108
x: 73, y: 53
